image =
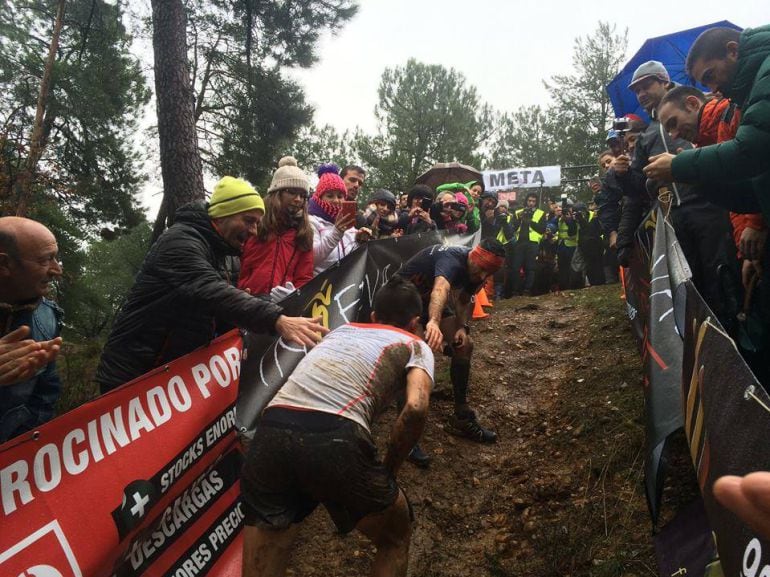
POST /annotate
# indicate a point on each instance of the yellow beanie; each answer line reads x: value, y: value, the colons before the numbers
x: 234, y: 195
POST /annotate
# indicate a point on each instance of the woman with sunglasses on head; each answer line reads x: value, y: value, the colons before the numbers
x: 280, y: 258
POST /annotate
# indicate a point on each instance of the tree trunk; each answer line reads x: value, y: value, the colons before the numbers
x: 180, y: 160
x: 24, y: 181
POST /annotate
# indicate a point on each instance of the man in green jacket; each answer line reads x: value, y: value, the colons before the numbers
x: 735, y: 173
x: 738, y: 66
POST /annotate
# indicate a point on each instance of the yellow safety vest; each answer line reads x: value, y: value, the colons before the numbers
x: 564, y: 235
x: 500, y: 235
x: 534, y: 236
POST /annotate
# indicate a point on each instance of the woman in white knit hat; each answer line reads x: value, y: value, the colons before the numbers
x: 281, y: 255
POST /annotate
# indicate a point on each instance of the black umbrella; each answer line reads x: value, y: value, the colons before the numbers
x: 446, y: 172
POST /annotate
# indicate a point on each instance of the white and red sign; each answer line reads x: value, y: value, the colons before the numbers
x: 140, y: 481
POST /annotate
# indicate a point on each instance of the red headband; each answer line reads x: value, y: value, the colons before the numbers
x: 487, y: 261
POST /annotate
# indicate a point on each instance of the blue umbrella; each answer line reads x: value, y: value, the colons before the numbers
x: 671, y: 50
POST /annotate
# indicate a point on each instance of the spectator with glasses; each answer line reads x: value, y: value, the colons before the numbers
x: 280, y: 257
x: 447, y: 212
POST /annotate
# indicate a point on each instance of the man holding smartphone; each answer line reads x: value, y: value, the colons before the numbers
x: 416, y: 218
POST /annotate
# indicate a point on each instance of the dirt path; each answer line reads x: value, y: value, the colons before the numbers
x: 560, y: 493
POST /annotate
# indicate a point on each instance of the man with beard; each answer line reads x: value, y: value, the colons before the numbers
x: 703, y: 229
x: 530, y: 224
x: 182, y: 297
x: 353, y: 176
x: 447, y: 278
x: 737, y: 66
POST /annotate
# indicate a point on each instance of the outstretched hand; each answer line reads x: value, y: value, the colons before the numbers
x: 433, y: 336
x: 301, y: 330
x: 363, y: 235
x: 621, y: 164
x: 21, y: 358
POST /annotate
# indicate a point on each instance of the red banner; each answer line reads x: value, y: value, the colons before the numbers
x: 140, y: 481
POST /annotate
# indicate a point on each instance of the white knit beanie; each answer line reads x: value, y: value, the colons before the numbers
x: 289, y: 175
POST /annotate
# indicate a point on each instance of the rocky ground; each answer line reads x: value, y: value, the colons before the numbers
x: 559, y: 378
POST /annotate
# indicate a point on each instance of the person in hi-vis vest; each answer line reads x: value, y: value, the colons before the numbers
x: 530, y: 222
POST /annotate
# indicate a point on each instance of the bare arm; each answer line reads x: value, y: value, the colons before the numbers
x: 438, y: 300
x: 411, y: 421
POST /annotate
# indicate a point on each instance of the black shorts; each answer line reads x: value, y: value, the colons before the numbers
x: 299, y: 459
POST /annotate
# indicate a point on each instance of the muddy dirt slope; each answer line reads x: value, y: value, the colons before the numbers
x: 559, y: 378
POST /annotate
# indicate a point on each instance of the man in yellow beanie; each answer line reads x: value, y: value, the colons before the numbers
x: 235, y: 210
x: 183, y: 296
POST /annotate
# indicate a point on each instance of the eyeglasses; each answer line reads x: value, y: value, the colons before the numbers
x: 295, y: 192
x: 455, y: 206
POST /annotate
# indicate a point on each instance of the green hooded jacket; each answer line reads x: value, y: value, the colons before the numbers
x: 743, y: 164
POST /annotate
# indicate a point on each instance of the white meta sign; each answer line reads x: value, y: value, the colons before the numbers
x: 532, y: 177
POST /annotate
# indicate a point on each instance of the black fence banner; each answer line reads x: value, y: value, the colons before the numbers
x: 695, y: 378
x: 685, y: 547
x: 655, y: 300
x: 726, y: 414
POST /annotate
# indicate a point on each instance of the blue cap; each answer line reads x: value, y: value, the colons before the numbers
x: 612, y: 135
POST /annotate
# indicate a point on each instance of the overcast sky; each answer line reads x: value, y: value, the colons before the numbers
x: 505, y: 49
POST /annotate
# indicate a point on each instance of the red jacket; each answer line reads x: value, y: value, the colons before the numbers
x: 719, y: 123
x: 276, y: 261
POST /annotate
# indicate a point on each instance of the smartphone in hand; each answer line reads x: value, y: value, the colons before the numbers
x: 349, y: 207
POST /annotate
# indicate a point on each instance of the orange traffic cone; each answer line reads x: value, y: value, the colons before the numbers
x: 478, y: 312
x: 481, y: 298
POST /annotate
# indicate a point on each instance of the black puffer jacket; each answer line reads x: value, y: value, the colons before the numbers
x: 180, y: 300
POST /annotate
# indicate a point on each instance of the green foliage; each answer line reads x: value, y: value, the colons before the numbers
x: 92, y: 298
x: 76, y: 365
x: 525, y: 138
x: 247, y: 112
x: 571, y: 129
x: 89, y: 166
x: 426, y: 114
x: 255, y: 124
x: 581, y: 104
x: 316, y: 145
